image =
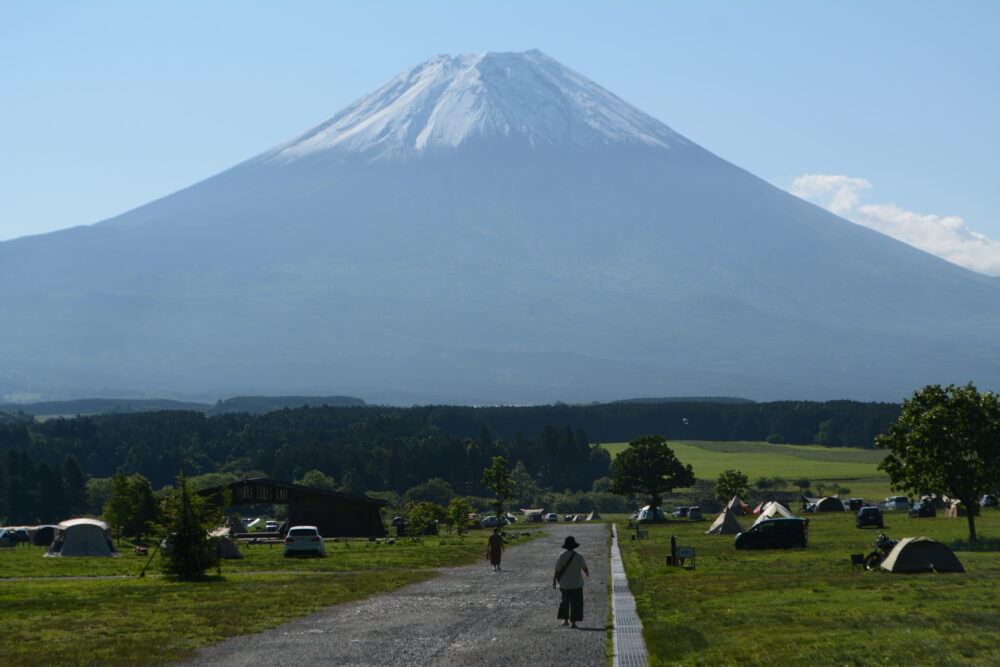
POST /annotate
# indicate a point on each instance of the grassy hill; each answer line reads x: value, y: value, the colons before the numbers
x: 852, y: 467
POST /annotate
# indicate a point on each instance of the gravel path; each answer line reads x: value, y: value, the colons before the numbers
x: 467, y: 616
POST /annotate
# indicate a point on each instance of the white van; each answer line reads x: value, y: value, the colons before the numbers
x: 894, y: 503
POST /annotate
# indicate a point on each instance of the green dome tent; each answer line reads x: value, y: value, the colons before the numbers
x: 921, y: 554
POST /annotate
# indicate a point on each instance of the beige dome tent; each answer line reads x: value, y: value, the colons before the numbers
x: 921, y: 554
x: 82, y: 537
x: 725, y: 524
x: 594, y: 516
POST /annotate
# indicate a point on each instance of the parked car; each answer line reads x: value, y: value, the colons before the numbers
x: 988, y: 501
x: 694, y: 513
x: 775, y: 534
x: 922, y: 510
x: 271, y: 527
x: 304, y: 541
x: 680, y: 512
x: 869, y: 516
x: 495, y: 522
x: 551, y: 517
x: 854, y: 504
x: 895, y: 503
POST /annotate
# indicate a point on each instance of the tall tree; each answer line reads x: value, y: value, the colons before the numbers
x: 74, y: 486
x: 946, y: 441
x: 188, y: 518
x: 457, y: 515
x: 649, y: 467
x: 731, y: 483
x: 120, y: 508
x: 496, y: 478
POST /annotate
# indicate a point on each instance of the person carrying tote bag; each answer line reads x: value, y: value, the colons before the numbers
x: 570, y: 569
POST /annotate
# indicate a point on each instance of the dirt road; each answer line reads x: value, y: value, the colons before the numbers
x: 467, y: 616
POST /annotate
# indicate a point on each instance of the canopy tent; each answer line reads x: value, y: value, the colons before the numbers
x: 738, y: 507
x: 829, y: 504
x: 725, y: 524
x: 82, y: 537
x: 533, y: 515
x: 773, y: 509
x: 921, y: 554
x: 594, y: 516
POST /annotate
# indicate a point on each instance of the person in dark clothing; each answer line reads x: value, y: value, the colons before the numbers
x: 494, y: 549
x: 570, y: 570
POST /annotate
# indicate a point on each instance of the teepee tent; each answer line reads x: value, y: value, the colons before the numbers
x: 725, y: 524
x: 773, y: 509
x: 921, y: 554
x: 738, y: 507
x: 82, y: 537
x: 594, y: 516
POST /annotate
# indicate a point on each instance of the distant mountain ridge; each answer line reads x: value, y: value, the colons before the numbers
x: 109, y: 406
x: 490, y: 229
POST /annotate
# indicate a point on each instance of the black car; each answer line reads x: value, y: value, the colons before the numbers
x: 869, y: 516
x: 775, y: 534
x: 922, y: 510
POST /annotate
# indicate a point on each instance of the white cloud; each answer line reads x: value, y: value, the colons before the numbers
x: 947, y: 237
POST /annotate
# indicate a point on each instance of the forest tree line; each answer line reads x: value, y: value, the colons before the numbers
x: 391, y: 450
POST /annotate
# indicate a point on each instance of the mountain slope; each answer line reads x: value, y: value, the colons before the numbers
x: 481, y: 229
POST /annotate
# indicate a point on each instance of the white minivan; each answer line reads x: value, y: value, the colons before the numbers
x: 894, y: 503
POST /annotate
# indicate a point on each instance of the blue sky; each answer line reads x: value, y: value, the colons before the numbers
x: 882, y: 111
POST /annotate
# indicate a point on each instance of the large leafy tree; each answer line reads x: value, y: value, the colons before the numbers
x: 496, y: 478
x: 731, y: 483
x: 946, y: 441
x: 649, y: 467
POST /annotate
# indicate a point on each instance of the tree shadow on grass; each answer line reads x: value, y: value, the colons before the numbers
x: 982, y: 544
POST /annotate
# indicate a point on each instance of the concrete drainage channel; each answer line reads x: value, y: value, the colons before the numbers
x: 629, y: 647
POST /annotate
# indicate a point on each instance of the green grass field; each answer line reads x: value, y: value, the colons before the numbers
x: 851, y: 467
x: 811, y: 606
x: 156, y: 619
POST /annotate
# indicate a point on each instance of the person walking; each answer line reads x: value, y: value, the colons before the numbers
x: 570, y: 568
x: 494, y: 549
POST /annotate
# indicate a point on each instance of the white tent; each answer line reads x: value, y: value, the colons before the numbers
x: 738, y: 507
x: 773, y: 509
x: 725, y: 524
x: 647, y: 514
x: 82, y: 537
x: 594, y: 516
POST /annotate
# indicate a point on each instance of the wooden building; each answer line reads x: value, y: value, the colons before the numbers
x: 334, y: 514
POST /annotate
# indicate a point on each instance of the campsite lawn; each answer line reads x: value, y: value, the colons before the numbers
x: 50, y: 617
x: 143, y: 621
x: 352, y: 555
x: 811, y: 606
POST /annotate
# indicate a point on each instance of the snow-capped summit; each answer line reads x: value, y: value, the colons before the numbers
x: 450, y: 101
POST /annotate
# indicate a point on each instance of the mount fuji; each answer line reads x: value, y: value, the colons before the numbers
x: 493, y: 228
